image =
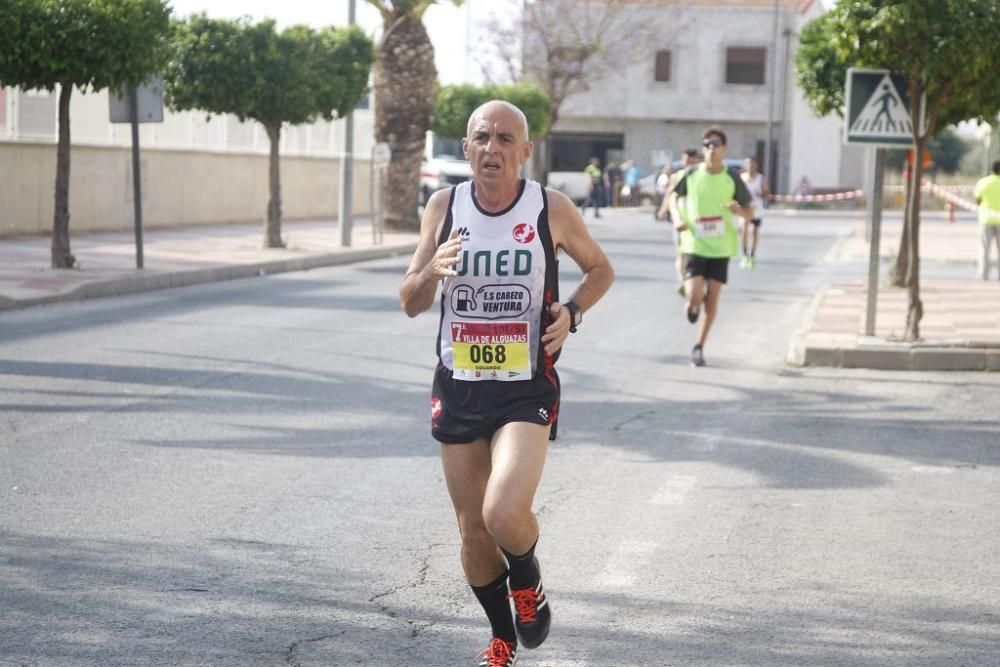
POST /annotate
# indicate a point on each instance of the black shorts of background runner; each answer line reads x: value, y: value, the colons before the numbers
x: 711, y: 268
x: 756, y: 222
x: 463, y: 411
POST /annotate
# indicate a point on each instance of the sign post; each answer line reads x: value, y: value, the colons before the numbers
x: 381, y: 157
x: 878, y: 113
x: 139, y: 105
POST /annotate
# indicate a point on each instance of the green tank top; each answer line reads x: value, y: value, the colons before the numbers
x: 711, y: 231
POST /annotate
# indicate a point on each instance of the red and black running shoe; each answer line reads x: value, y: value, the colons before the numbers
x: 532, y: 616
x: 500, y: 653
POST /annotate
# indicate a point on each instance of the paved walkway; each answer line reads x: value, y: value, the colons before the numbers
x: 960, y: 328
x: 177, y: 256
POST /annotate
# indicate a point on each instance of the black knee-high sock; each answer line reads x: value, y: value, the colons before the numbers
x: 523, y: 573
x: 493, y: 598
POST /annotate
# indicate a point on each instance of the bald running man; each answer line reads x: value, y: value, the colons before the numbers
x: 493, y: 243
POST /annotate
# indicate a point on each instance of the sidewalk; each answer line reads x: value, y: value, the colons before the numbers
x: 174, y: 257
x: 960, y: 328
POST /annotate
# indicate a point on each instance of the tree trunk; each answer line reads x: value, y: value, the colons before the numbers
x: 915, y: 309
x: 539, y: 161
x: 272, y: 224
x: 61, y: 256
x: 404, y: 86
x: 899, y: 273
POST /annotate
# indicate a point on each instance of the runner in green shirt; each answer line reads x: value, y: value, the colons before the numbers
x: 987, y: 195
x: 703, y: 204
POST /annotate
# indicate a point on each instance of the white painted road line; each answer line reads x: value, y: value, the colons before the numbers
x: 623, y: 567
x: 674, y: 490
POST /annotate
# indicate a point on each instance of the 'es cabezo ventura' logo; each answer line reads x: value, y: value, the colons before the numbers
x: 524, y: 233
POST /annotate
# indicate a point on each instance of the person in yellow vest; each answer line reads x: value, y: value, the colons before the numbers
x: 703, y: 203
x: 987, y: 194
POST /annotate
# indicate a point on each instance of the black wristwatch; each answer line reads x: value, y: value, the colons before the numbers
x: 575, y: 315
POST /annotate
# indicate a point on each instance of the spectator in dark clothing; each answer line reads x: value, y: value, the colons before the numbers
x: 613, y: 177
x: 596, y: 196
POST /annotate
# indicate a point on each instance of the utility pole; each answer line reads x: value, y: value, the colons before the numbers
x: 767, y: 167
x: 346, y: 163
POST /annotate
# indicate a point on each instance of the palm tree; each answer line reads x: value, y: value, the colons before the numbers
x: 405, y: 79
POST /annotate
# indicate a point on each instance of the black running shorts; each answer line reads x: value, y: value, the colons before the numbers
x: 756, y: 221
x: 711, y: 268
x: 463, y: 411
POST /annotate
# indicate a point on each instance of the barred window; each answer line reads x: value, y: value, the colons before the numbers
x: 745, y: 65
x: 662, y: 69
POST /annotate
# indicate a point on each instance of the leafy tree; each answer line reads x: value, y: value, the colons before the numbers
x: 947, y: 150
x: 455, y: 104
x: 95, y: 44
x: 253, y: 71
x: 405, y: 78
x: 946, y: 50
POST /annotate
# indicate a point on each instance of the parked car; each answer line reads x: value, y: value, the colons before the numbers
x: 443, y: 165
x: 573, y: 184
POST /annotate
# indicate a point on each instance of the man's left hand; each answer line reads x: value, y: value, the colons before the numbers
x: 555, y: 333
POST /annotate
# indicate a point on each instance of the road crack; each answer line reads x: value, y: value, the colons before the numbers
x: 290, y: 653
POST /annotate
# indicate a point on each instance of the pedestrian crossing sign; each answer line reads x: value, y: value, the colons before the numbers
x: 878, y: 108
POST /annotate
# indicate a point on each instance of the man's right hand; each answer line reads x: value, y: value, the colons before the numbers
x: 445, y: 258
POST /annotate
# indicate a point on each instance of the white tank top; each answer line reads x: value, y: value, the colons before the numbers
x: 494, y: 311
x: 756, y: 187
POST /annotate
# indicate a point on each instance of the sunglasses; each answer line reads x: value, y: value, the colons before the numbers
x: 712, y: 143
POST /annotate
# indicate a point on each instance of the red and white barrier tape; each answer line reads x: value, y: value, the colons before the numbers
x: 957, y: 188
x: 835, y: 196
x: 943, y: 193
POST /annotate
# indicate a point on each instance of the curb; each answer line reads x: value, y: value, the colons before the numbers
x: 884, y: 355
x: 889, y: 355
x: 144, y: 282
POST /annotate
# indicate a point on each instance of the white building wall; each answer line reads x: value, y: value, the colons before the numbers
x: 33, y: 116
x: 658, y: 118
x: 816, y: 142
x: 816, y: 146
x: 195, y: 169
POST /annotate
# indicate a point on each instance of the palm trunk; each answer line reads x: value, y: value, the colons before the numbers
x: 61, y: 256
x: 272, y: 226
x: 404, y: 99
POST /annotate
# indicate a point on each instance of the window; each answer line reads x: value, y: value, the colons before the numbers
x: 662, y: 69
x: 745, y: 65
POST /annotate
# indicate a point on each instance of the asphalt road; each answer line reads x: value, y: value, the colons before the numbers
x: 242, y: 474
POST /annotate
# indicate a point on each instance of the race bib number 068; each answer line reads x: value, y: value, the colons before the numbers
x: 490, y: 351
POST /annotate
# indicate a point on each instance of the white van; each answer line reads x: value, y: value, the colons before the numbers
x: 443, y: 165
x: 573, y: 184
